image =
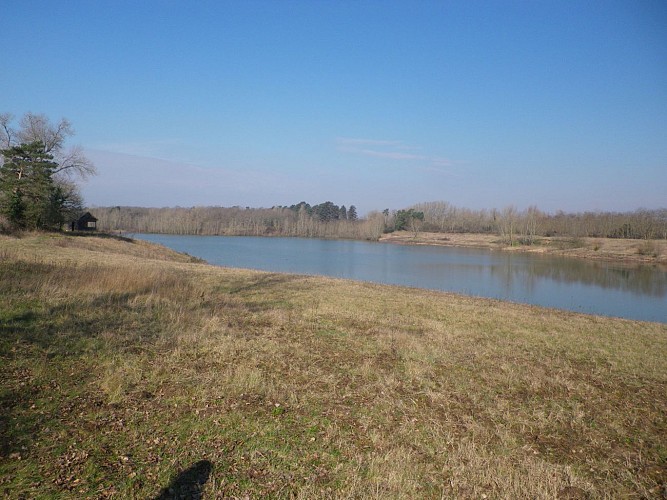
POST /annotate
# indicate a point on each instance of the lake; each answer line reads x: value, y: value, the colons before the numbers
x: 593, y: 287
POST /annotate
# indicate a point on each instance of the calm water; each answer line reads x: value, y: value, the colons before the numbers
x: 603, y: 288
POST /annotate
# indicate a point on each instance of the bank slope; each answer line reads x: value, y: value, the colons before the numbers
x: 128, y: 370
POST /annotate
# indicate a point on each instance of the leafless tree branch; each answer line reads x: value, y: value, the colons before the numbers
x: 39, y: 128
x: 7, y: 133
x: 74, y: 163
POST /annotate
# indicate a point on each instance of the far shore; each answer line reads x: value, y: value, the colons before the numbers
x: 609, y: 249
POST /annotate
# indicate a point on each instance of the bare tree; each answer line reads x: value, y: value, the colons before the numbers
x: 39, y: 128
x: 507, y: 223
x: 6, y: 132
x: 71, y: 162
x: 531, y: 218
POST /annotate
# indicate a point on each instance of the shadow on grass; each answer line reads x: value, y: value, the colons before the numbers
x: 60, y: 330
x: 101, y: 234
x: 265, y: 292
x: 261, y: 283
x: 16, y: 435
x: 189, y: 483
x: 33, y: 334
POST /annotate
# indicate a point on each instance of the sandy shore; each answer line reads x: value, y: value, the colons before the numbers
x: 622, y: 250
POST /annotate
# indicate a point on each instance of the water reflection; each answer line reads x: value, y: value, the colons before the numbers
x: 639, y: 280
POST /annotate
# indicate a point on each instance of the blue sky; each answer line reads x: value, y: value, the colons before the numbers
x: 380, y: 104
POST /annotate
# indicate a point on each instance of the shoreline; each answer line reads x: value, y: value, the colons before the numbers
x: 645, y: 252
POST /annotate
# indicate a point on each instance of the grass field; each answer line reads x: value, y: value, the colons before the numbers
x: 127, y: 370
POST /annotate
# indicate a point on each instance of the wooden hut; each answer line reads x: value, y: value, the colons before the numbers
x: 85, y: 223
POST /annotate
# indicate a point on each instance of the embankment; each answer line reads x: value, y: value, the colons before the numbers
x: 126, y: 369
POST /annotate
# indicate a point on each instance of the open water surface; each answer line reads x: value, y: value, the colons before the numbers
x: 603, y: 288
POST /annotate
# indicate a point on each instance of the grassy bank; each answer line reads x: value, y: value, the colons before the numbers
x: 611, y: 249
x: 127, y: 369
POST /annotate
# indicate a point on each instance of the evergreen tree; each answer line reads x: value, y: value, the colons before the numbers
x: 28, y: 196
x: 302, y: 205
x: 352, y: 213
x: 326, y: 211
x: 408, y: 220
x: 343, y: 213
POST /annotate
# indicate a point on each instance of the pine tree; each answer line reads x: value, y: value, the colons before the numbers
x: 27, y: 190
x: 327, y: 211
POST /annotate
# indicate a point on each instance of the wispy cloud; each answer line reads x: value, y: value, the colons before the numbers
x: 392, y: 155
x: 125, y: 179
x: 152, y: 149
x: 393, y: 150
x: 352, y: 142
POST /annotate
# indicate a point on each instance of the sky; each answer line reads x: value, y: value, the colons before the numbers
x: 378, y: 104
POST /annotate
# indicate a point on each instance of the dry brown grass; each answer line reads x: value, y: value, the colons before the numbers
x: 611, y: 249
x: 120, y: 370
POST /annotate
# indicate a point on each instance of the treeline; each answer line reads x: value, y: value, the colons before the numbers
x: 328, y: 220
x: 525, y: 225
x: 325, y: 220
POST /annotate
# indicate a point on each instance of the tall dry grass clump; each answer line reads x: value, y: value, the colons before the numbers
x: 123, y: 366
